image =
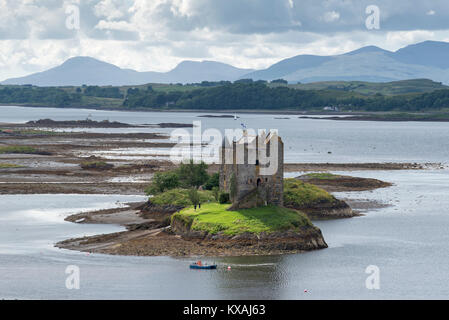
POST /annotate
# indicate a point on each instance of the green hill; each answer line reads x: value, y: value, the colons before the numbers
x: 372, y: 88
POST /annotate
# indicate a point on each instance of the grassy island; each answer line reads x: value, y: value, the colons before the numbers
x: 303, y: 195
x: 322, y: 176
x: 317, y: 203
x: 213, y: 218
x: 338, y: 183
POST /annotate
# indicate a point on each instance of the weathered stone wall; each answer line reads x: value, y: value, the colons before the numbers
x: 248, y: 174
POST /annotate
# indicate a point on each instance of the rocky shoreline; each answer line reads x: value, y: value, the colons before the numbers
x: 149, y: 233
x: 54, y: 166
x: 152, y: 232
x: 148, y: 228
x: 386, y: 117
x: 160, y: 242
x: 339, y: 183
x: 326, y: 211
x: 88, y: 123
x: 57, y: 164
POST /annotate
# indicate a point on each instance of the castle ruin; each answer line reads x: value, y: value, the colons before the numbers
x: 254, y: 167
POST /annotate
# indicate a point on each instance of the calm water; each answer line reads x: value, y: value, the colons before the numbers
x: 407, y: 240
x: 305, y: 140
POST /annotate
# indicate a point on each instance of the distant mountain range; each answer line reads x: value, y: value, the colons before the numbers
x: 86, y: 70
x: 429, y: 59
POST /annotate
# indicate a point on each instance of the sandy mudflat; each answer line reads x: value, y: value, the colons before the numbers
x: 57, y: 170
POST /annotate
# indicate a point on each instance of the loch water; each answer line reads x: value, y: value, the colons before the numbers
x: 406, y: 240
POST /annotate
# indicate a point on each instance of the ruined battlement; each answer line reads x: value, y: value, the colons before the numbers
x: 256, y: 164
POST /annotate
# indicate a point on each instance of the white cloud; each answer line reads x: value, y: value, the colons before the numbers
x: 183, y: 7
x: 403, y: 38
x: 109, y: 9
x: 157, y: 34
x: 114, y: 25
x: 331, y: 16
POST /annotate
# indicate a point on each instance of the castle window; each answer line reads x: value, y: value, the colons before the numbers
x: 266, y: 179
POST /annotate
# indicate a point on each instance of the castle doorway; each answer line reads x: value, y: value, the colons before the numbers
x: 259, y: 182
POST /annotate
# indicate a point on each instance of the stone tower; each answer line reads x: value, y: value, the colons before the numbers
x: 256, y: 163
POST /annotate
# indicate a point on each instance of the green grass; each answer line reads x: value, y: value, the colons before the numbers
x: 180, y: 197
x: 302, y: 195
x: 28, y: 131
x: 9, y: 166
x: 371, y: 88
x: 322, y: 176
x: 109, y: 103
x: 214, y: 218
x: 173, y: 87
x: 17, y: 149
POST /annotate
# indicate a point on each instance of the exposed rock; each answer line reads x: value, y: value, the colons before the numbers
x: 149, y: 210
x: 148, y: 225
x: 306, y: 238
x: 326, y: 210
x: 338, y: 183
x: 96, y: 165
x: 175, y: 125
x: 49, y: 123
x: 162, y: 242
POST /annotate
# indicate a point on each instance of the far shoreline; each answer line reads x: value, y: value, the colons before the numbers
x: 231, y: 111
x: 365, y: 115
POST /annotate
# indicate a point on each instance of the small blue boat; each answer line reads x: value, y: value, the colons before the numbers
x: 199, y: 265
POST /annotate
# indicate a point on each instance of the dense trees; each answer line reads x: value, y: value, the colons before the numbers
x: 163, y: 181
x: 257, y: 95
x: 281, y: 81
x: 242, y: 94
x: 212, y: 182
x: 438, y: 99
x: 103, y: 92
x: 192, y: 174
x: 37, y: 95
x: 188, y: 175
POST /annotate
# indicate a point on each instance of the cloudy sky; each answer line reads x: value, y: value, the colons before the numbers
x: 157, y: 34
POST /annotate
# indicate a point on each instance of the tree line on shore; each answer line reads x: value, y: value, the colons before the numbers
x: 37, y: 95
x: 244, y: 95
x: 257, y: 95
